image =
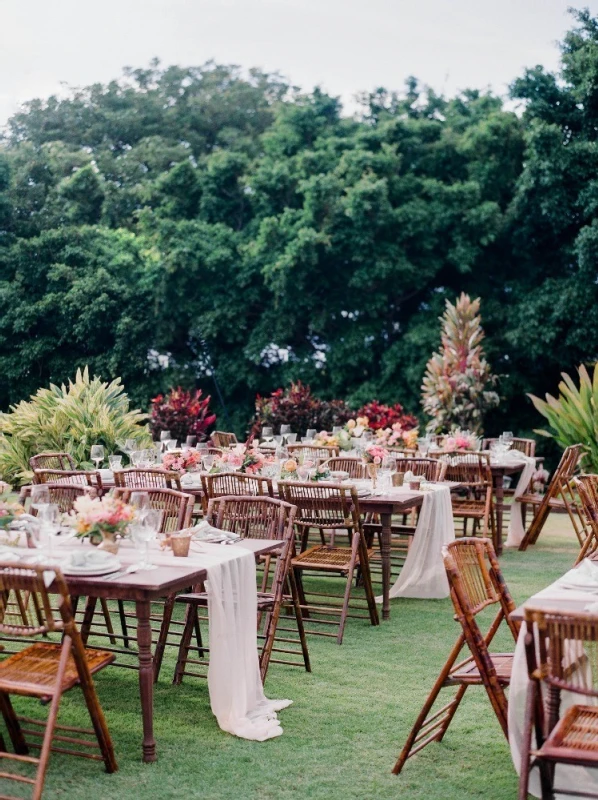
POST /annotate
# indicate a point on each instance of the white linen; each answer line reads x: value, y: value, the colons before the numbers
x: 583, y: 780
x: 237, y: 696
x: 423, y: 574
x: 516, y: 529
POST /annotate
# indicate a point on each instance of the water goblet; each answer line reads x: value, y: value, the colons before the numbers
x: 97, y: 454
x: 207, y: 461
x: 40, y: 497
x: 284, y: 429
x: 143, y: 532
x: 267, y: 434
x: 116, y: 462
x: 310, y: 435
x: 171, y: 445
x: 291, y: 438
x: 141, y: 503
x: 191, y: 441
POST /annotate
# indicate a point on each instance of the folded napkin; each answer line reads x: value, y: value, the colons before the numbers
x: 204, y: 532
x: 9, y: 554
x: 585, y: 576
x: 84, y: 557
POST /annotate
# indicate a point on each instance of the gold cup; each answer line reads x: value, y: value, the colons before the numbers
x: 398, y: 479
x: 180, y: 544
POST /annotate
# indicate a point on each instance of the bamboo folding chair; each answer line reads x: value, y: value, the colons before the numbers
x: 330, y: 509
x: 312, y: 452
x: 354, y: 467
x: 175, y: 507
x: 476, y: 583
x: 587, y: 488
x: 431, y: 469
x: 146, y: 478
x: 256, y: 518
x: 474, y: 498
x: 46, y: 671
x: 562, y: 656
x: 525, y: 446
x: 234, y: 483
x: 64, y: 495
x: 80, y: 477
x: 52, y: 461
x: 223, y: 439
x: 558, y: 496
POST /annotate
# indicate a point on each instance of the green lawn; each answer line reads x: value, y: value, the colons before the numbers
x: 342, y: 734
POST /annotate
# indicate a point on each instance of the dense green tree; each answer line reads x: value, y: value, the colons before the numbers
x: 195, y: 224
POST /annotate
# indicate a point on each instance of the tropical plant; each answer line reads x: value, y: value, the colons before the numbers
x: 573, y: 417
x: 68, y: 419
x: 381, y: 416
x: 298, y: 407
x: 457, y: 387
x: 183, y: 413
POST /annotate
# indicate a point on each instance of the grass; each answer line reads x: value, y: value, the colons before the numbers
x: 342, y: 734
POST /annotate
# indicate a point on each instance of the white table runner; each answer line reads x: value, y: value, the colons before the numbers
x: 516, y: 528
x: 423, y: 574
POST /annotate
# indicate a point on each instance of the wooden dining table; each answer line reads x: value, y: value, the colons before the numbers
x: 144, y: 587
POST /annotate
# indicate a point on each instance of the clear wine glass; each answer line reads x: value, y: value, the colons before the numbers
x: 284, y: 429
x: 141, y: 503
x: 40, y: 497
x: 136, y: 457
x: 191, y: 441
x: 202, y: 447
x: 267, y: 434
x: 143, y: 532
x: 116, y: 462
x: 291, y: 438
x: 303, y: 472
x: 97, y: 454
x: 171, y: 445
x: 49, y: 526
x: 207, y: 461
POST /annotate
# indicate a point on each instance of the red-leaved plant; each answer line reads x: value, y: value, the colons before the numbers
x: 183, y: 413
x: 296, y: 406
x: 381, y: 416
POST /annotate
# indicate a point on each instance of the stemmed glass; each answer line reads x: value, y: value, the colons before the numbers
x: 207, y: 461
x: 310, y: 435
x: 116, y: 462
x: 164, y: 437
x: 191, y: 441
x: 44, y: 532
x: 40, y: 497
x: 143, y: 532
x: 141, y: 503
x: 171, y: 445
x: 97, y: 454
x: 267, y: 434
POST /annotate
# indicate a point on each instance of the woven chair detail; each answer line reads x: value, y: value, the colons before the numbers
x: 52, y: 461
x: 140, y: 478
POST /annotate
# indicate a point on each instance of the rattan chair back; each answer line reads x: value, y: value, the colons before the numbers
x: 325, y: 506
x: 79, y: 477
x: 52, y: 461
x: 64, y: 495
x: 431, y: 469
x: 525, y: 446
x: 223, y: 439
x: 175, y: 507
x: 21, y: 582
x: 315, y: 453
x: 236, y: 483
x: 148, y: 478
x: 353, y: 466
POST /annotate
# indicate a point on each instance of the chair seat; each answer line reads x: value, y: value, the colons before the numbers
x: 469, y: 508
x: 325, y: 557
x: 537, y: 499
x: 469, y: 673
x: 33, y: 671
x: 574, y: 738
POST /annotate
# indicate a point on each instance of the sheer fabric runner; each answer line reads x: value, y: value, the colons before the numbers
x: 516, y: 528
x: 423, y: 573
x: 578, y: 778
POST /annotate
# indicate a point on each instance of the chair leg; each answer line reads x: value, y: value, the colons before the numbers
x: 436, y: 721
x: 190, y: 619
x: 345, y: 608
x: 367, y: 584
x: 94, y: 708
x: 12, y: 725
x: 163, y: 635
x: 107, y: 619
x: 301, y: 592
x: 123, y: 623
x: 530, y: 704
x: 299, y: 620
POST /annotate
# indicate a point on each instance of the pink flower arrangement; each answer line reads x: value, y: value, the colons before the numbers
x: 460, y: 440
x: 8, y: 512
x: 375, y: 454
x: 92, y: 515
x: 243, y: 459
x: 182, y: 461
x: 540, y: 479
x: 397, y: 436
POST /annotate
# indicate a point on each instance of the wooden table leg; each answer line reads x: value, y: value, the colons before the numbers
x: 385, y: 538
x: 146, y: 678
x: 499, y: 493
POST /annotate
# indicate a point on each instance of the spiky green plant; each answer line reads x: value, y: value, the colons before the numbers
x: 573, y: 417
x: 458, y: 384
x: 68, y: 419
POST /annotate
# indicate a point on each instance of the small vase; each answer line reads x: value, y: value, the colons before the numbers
x: 109, y: 542
x: 373, y: 473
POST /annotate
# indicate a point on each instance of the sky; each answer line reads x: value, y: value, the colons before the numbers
x: 345, y: 46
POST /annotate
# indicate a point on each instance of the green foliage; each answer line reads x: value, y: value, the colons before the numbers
x: 67, y: 419
x: 458, y: 384
x: 573, y: 416
x: 298, y: 407
x: 181, y: 224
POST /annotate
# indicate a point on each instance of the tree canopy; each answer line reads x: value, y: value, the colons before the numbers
x: 185, y: 223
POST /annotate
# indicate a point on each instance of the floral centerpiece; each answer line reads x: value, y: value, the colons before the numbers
x: 289, y: 470
x: 539, y: 480
x: 375, y: 454
x: 325, y: 439
x: 396, y: 436
x: 242, y: 458
x: 321, y: 473
x: 182, y: 461
x: 356, y: 427
x: 101, y: 519
x: 461, y: 440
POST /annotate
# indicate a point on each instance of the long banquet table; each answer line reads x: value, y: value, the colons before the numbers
x: 142, y: 588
